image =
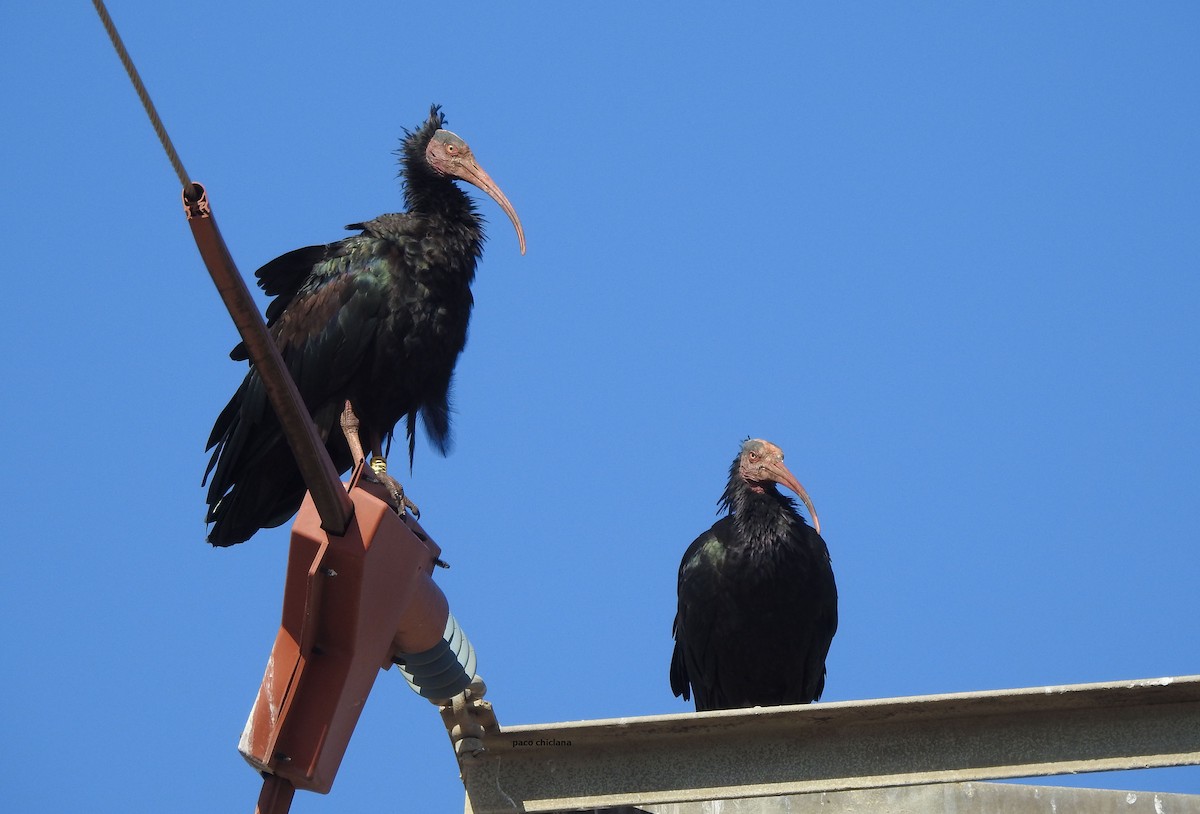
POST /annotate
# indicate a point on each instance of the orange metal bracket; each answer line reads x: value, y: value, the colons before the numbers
x: 350, y: 604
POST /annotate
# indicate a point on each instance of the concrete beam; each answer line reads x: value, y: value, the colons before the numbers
x: 775, y: 751
x: 958, y: 798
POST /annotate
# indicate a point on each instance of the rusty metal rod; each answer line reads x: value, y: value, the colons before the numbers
x: 332, y: 502
x: 275, y: 797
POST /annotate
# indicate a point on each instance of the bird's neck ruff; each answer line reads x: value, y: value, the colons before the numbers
x: 762, y: 517
x: 429, y: 193
x: 425, y: 190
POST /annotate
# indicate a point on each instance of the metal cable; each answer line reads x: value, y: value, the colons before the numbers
x: 130, y: 69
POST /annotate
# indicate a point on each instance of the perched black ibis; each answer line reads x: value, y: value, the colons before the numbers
x: 757, y: 601
x: 370, y: 327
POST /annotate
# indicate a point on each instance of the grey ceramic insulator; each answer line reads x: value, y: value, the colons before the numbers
x: 444, y: 670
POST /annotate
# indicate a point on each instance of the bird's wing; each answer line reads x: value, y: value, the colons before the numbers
x: 282, y: 278
x: 694, y: 659
x: 323, y: 337
x: 324, y: 334
x: 287, y: 274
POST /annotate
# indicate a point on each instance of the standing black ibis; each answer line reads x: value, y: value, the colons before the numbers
x: 370, y: 327
x: 757, y: 600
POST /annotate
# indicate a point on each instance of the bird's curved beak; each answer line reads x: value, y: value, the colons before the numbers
x: 472, y: 173
x: 784, y: 477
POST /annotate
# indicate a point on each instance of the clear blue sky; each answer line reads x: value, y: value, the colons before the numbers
x: 946, y: 256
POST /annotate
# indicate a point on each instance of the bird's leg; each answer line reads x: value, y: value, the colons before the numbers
x: 378, y: 469
x: 379, y: 472
x: 350, y: 430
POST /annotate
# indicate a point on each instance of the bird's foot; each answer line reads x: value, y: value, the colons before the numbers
x: 400, y: 501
